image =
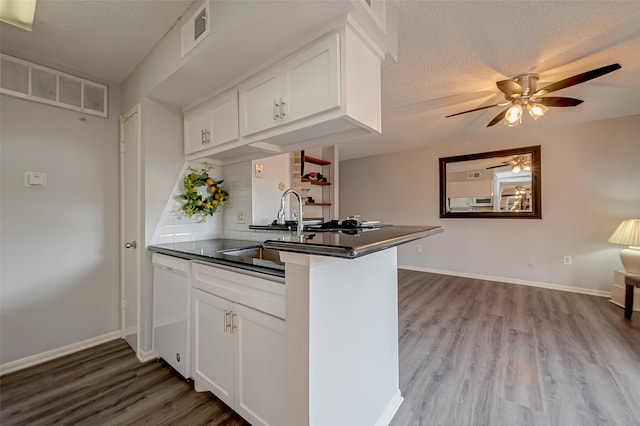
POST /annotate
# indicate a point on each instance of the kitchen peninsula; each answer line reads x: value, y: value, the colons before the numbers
x: 341, y: 314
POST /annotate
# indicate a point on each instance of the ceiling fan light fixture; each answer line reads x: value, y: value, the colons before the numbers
x: 536, y: 110
x: 516, y: 168
x: 513, y: 116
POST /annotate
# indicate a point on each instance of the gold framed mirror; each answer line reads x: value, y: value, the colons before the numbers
x: 496, y: 184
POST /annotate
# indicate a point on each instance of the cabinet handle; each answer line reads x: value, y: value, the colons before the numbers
x: 276, y: 109
x: 282, y: 104
x: 227, y: 320
x: 206, y: 136
x: 233, y: 326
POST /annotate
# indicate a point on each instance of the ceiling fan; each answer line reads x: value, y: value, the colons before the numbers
x: 521, y: 92
x: 517, y: 163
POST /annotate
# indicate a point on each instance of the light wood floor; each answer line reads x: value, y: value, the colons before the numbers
x: 471, y: 353
x: 484, y: 353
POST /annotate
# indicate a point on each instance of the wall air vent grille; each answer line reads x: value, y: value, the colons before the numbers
x: 474, y: 175
x: 195, y: 29
x: 33, y: 82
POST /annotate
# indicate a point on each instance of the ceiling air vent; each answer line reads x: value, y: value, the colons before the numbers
x: 26, y: 80
x: 195, y: 29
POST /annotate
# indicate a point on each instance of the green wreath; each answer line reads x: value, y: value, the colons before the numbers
x: 196, y: 203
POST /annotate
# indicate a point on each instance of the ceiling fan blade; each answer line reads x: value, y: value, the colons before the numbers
x: 496, y: 166
x: 577, y: 79
x: 554, y: 101
x: 472, y: 110
x: 497, y: 118
x: 509, y: 87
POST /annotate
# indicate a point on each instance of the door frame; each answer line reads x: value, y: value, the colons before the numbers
x: 136, y: 110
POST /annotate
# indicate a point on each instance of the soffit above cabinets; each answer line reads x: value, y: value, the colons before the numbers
x: 267, y: 33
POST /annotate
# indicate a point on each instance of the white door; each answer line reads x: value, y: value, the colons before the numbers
x: 311, y: 83
x: 196, y: 127
x: 260, y: 370
x: 259, y: 103
x: 213, y: 344
x: 130, y: 225
x: 224, y: 119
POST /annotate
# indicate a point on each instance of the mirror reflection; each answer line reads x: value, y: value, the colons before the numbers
x: 492, y: 184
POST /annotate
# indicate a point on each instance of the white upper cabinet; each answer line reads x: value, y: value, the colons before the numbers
x: 213, y: 124
x: 312, y: 80
x: 258, y: 103
x: 306, y: 84
x: 325, y: 93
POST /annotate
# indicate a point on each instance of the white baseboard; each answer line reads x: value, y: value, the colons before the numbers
x: 580, y: 290
x: 390, y: 410
x: 19, y: 364
x: 145, y: 356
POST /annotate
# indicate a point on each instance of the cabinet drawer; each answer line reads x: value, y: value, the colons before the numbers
x: 259, y: 293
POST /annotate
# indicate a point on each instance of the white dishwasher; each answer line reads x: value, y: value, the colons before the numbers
x: 171, y: 310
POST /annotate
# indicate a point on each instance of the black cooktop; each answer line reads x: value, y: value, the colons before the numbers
x: 329, y: 226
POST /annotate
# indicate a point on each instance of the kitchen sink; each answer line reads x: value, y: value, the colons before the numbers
x: 258, y: 256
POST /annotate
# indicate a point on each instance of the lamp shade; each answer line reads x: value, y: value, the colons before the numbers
x: 628, y: 234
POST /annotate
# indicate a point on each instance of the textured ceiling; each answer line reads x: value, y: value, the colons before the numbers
x: 103, y: 39
x: 451, y: 53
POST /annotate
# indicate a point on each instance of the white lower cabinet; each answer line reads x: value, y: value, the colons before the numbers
x: 213, y: 345
x: 238, y: 351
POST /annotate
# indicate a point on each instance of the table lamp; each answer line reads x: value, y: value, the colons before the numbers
x: 628, y: 234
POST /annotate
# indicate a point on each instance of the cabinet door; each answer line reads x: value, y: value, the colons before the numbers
x: 259, y: 107
x: 197, y: 128
x: 260, y: 366
x: 224, y: 119
x: 213, y: 124
x: 213, y: 345
x: 311, y: 80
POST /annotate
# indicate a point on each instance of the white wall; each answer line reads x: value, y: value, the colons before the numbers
x: 59, y: 246
x: 266, y: 193
x: 590, y: 182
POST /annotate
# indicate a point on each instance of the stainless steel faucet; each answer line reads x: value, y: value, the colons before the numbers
x: 281, y: 220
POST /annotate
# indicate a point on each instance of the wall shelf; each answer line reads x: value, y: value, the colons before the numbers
x: 317, y: 161
x: 315, y: 182
x: 323, y: 192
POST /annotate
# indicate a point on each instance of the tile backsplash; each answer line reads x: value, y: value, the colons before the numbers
x: 174, y: 226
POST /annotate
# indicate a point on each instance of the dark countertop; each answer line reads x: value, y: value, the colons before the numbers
x: 210, y: 251
x: 344, y: 244
x: 351, y: 243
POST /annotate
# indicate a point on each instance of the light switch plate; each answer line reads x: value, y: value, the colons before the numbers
x: 35, y: 179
